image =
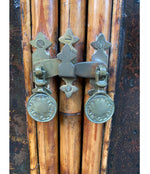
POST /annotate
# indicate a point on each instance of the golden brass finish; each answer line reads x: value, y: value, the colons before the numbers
x: 99, y: 107
x: 66, y: 67
x: 70, y: 39
x: 41, y: 106
x: 68, y: 56
x: 100, y: 45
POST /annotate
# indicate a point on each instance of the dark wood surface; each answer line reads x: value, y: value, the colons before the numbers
x: 19, y: 154
x: 124, y: 146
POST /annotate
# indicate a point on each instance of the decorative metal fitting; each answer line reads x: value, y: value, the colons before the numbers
x: 99, y: 107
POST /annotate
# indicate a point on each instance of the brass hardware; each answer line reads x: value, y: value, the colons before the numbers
x: 66, y: 67
x: 70, y: 39
x: 68, y: 88
x: 41, y: 106
x: 86, y: 69
x: 99, y: 108
x: 69, y: 58
x: 100, y: 45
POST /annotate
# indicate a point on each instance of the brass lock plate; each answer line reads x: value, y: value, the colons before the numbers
x: 41, y: 105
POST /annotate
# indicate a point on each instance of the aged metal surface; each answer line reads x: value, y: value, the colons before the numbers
x: 124, y: 146
x: 86, y: 69
x: 42, y: 107
x: 70, y: 39
x: 66, y: 67
x: 99, y: 108
x: 100, y: 45
x: 68, y: 56
x: 50, y: 66
x: 19, y: 155
x: 68, y: 88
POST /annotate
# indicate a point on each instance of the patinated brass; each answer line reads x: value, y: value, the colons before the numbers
x: 86, y: 69
x: 41, y: 106
x: 70, y: 39
x: 39, y: 76
x: 99, y: 108
x: 49, y: 65
x: 69, y: 58
x: 66, y: 67
x: 68, y: 88
x: 41, y: 44
x: 100, y: 45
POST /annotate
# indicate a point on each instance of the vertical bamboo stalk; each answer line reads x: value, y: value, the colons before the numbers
x: 45, y: 20
x: 115, y: 33
x: 99, y: 21
x: 31, y: 124
x: 73, y: 14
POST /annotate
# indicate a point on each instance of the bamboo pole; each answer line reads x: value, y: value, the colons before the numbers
x: 99, y: 21
x: 73, y: 14
x: 115, y: 33
x: 31, y: 124
x: 45, y: 20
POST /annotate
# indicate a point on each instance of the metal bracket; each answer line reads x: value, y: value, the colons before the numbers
x: 65, y: 65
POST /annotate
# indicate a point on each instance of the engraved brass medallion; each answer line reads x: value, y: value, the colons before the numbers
x: 99, y: 108
x: 42, y: 107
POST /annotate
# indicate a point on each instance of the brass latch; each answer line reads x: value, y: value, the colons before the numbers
x: 41, y: 105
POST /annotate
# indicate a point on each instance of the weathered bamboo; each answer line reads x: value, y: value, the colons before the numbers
x: 31, y: 124
x: 73, y: 14
x: 99, y: 21
x: 115, y: 33
x: 45, y: 20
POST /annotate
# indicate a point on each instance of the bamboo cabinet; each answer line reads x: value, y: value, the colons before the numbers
x: 66, y: 54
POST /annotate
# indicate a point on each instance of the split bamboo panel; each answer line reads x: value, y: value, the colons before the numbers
x: 99, y: 21
x: 45, y: 20
x: 31, y: 124
x: 73, y: 13
x: 115, y: 33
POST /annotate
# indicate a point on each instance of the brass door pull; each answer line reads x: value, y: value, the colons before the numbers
x: 99, y: 108
x: 41, y: 105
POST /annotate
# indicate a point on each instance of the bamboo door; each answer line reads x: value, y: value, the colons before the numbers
x: 70, y: 143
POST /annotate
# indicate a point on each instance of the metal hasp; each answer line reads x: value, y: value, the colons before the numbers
x: 99, y: 108
x: 41, y: 105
